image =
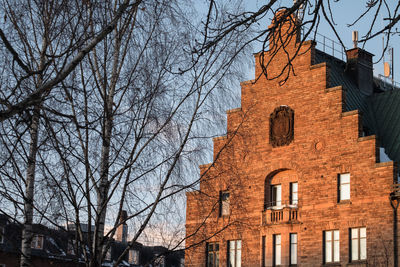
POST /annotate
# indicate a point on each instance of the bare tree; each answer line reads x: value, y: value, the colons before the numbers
x: 68, y: 54
x: 44, y: 41
x: 108, y: 104
x: 122, y: 130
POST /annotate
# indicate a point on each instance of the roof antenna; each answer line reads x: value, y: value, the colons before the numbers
x: 354, y: 37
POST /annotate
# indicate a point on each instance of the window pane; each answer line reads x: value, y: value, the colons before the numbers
x: 336, y: 251
x: 363, y: 248
x: 363, y: 232
x: 278, y: 195
x: 294, y: 198
x: 328, y: 251
x: 293, y: 248
x: 328, y: 235
x: 239, y: 244
x: 278, y: 254
x: 225, y: 203
x: 354, y: 249
x: 344, y: 191
x: 293, y: 238
x: 238, y: 258
x: 354, y: 233
x: 293, y: 253
x: 277, y: 249
x: 345, y: 178
x: 232, y: 258
x: 278, y: 239
x: 336, y: 235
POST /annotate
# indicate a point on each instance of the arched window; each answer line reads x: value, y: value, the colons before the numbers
x: 281, y: 189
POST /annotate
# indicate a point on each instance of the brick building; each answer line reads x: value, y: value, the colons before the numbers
x: 59, y: 247
x: 298, y: 178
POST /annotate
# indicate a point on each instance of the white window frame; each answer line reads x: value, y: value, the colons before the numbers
x: 331, y: 246
x: 294, y: 193
x: 276, y: 195
x: 235, y: 253
x: 277, y: 260
x: 358, y: 244
x: 344, y: 186
x: 293, y: 248
x: 37, y: 241
x: 224, y: 203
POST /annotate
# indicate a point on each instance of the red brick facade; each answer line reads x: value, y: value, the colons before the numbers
x: 327, y: 142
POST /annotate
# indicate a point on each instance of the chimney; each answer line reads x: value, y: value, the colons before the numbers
x: 285, y: 30
x: 122, y: 230
x: 359, y: 68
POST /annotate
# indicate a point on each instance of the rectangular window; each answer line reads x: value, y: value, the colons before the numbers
x: 294, y: 199
x: 1, y: 235
x: 293, y: 249
x: 224, y: 203
x: 331, y: 246
x: 277, y: 250
x: 71, y: 246
x: 134, y: 256
x: 235, y: 253
x: 276, y: 196
x: 358, y: 245
x: 37, y: 242
x: 212, y: 255
x: 344, y: 186
x: 263, y: 242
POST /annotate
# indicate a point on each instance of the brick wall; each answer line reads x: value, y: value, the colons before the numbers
x: 326, y: 143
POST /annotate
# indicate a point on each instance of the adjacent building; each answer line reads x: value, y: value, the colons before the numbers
x: 59, y: 247
x: 298, y: 179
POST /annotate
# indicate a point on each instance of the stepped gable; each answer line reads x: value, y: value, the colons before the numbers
x: 299, y: 162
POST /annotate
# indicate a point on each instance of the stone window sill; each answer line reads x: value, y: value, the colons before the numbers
x: 357, y: 263
x: 344, y: 202
x: 331, y: 264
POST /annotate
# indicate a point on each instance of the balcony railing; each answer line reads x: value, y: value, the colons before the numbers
x: 280, y: 214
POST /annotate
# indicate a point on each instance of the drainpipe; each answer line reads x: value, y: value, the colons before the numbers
x: 394, y: 202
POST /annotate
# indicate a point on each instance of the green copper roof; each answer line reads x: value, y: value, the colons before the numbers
x: 380, y: 111
x: 385, y: 107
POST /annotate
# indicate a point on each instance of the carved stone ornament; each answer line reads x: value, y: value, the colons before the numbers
x: 281, y: 130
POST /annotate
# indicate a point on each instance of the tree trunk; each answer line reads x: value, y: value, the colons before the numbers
x: 29, y: 192
x: 102, y: 190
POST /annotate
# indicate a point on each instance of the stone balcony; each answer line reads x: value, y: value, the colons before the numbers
x: 280, y: 215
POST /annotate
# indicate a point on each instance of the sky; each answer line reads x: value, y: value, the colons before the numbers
x: 345, y: 12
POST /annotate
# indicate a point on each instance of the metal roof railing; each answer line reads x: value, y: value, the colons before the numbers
x: 326, y: 44
x: 335, y: 49
x: 387, y: 83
